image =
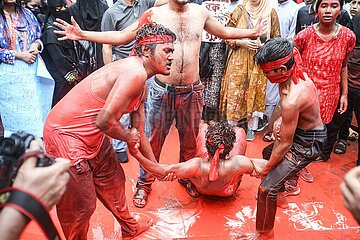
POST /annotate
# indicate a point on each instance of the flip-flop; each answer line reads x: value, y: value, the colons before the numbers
x: 268, y: 137
x: 190, y: 189
x: 340, y: 147
x: 143, y: 196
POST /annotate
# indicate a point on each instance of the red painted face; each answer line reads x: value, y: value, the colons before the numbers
x: 328, y: 11
x: 162, y: 58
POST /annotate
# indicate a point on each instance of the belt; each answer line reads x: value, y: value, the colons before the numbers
x: 179, y: 89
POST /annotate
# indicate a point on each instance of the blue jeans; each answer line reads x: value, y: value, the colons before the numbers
x: 306, y: 147
x: 162, y: 107
x: 120, y: 146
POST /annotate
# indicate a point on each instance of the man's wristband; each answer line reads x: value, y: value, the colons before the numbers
x: 31, y: 207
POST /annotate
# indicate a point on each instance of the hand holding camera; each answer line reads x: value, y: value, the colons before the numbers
x: 31, y: 183
x: 46, y: 183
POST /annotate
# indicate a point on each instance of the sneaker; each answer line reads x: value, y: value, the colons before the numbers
x: 263, y: 122
x: 306, y: 175
x: 291, y: 189
x: 122, y: 157
x: 250, y: 135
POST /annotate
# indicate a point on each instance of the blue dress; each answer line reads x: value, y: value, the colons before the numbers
x: 25, y: 89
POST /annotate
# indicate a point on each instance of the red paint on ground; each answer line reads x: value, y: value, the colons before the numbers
x: 317, y: 213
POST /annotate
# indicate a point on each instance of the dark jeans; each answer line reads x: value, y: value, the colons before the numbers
x: 306, y: 147
x: 344, y: 130
x: 162, y: 108
x: 336, y: 123
x: 354, y: 100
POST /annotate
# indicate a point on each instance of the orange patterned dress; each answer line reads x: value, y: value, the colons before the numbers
x: 243, y: 86
x: 322, y: 60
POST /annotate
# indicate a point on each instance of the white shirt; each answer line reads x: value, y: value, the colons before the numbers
x: 287, y: 13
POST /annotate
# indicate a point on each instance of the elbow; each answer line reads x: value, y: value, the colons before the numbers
x: 102, y: 125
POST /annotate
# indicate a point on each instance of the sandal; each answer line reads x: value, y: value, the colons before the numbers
x: 268, y: 137
x: 140, y: 194
x: 190, y: 189
x: 353, y: 135
x: 340, y: 147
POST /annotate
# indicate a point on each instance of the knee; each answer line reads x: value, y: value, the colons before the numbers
x: 263, y: 191
x: 267, y: 192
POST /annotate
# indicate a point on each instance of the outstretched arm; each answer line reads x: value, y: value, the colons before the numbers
x: 214, y: 27
x: 74, y: 32
x: 186, y: 169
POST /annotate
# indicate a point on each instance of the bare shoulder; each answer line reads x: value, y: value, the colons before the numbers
x: 236, y: 161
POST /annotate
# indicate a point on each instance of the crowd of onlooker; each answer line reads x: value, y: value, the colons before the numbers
x: 38, y: 70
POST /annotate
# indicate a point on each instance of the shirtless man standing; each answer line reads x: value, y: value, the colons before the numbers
x: 79, y: 127
x: 214, y: 172
x: 176, y: 96
x: 302, y: 133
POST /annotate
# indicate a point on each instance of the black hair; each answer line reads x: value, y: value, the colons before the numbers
x: 148, y: 30
x: 274, y: 49
x: 18, y: 4
x: 220, y: 133
x: 318, y: 2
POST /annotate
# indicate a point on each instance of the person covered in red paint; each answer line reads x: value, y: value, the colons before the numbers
x: 220, y: 164
x: 302, y: 134
x: 81, y: 124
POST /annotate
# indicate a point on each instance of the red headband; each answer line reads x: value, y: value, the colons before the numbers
x: 296, y: 68
x: 214, y: 175
x: 155, y: 39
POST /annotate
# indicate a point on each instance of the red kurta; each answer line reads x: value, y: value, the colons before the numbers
x: 323, y: 63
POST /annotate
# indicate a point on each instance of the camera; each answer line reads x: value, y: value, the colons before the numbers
x: 12, y: 150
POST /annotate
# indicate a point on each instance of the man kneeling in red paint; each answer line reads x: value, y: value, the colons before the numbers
x: 302, y: 134
x: 213, y: 172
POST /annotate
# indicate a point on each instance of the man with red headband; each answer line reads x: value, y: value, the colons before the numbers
x: 80, y: 126
x: 302, y: 133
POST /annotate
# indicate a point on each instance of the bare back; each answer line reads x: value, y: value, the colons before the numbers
x: 230, y: 175
x: 188, y: 26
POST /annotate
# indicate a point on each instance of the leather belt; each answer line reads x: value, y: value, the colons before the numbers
x: 179, y: 89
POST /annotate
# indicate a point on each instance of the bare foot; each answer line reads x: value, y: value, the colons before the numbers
x: 281, y: 200
x: 144, y: 224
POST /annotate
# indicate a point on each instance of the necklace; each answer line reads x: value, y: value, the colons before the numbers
x: 326, y: 37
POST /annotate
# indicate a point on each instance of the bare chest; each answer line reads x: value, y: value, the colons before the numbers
x: 187, y: 27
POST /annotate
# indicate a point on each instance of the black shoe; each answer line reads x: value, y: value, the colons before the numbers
x: 263, y: 122
x: 122, y: 156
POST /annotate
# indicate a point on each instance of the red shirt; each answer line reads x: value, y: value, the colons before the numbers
x: 70, y: 129
x: 322, y: 61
